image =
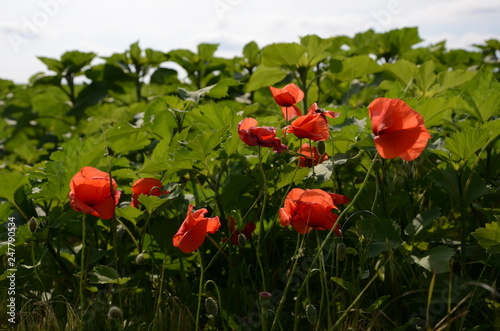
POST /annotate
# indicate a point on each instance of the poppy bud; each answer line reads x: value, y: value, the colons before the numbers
x: 242, y: 240
x: 32, y: 224
x: 341, y: 251
x: 311, y: 314
x: 211, y: 306
x: 114, y: 313
x: 139, y: 259
x: 321, y: 146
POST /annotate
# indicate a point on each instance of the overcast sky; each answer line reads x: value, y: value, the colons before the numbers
x: 30, y: 28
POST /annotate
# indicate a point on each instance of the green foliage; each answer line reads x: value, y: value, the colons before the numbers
x: 419, y: 239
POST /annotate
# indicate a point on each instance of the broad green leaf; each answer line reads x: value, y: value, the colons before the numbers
x: 403, y: 70
x: 264, y: 77
x: 207, y: 51
x: 129, y: 213
x: 357, y: 66
x: 422, y: 221
x: 426, y: 76
x: 465, y: 143
x: 123, y: 138
x: 449, y: 79
x: 436, y: 260
x: 436, y: 111
x: 282, y: 54
x: 220, y: 89
x: 317, y: 50
x: 489, y: 237
x: 10, y: 183
x: 482, y: 93
x: 204, y: 143
x: 52, y: 64
x: 106, y: 275
x: 75, y: 61
x: 251, y: 52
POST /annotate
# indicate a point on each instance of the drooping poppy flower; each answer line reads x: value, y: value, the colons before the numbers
x: 146, y: 186
x: 247, y: 230
x: 307, y: 209
x: 287, y: 98
x: 310, y: 156
x: 398, y: 129
x: 265, y: 136
x: 91, y: 193
x: 194, y: 229
x: 313, y: 125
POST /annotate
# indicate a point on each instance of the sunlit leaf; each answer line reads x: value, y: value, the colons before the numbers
x: 436, y: 260
x: 489, y: 237
x: 106, y: 275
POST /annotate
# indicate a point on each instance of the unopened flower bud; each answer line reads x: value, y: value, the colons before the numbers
x: 211, y: 306
x: 321, y: 146
x: 114, y: 313
x: 311, y: 314
x: 242, y: 240
x: 32, y: 224
x: 139, y: 259
x: 341, y: 251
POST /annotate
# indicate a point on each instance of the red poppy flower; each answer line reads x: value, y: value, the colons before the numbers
x: 312, y: 126
x: 399, y: 130
x: 247, y: 230
x: 91, y: 193
x: 287, y: 98
x: 310, y: 156
x: 146, y: 186
x: 193, y: 230
x: 265, y: 136
x: 307, y: 209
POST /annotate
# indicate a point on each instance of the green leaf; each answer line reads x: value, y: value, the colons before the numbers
x: 106, y: 275
x: 282, y: 54
x: 465, y: 143
x: 357, y: 66
x: 10, y: 183
x: 123, y: 138
x: 489, y: 237
x: 264, y: 77
x: 422, y: 221
x: 220, y: 89
x: 52, y: 64
x: 449, y: 79
x: 348, y: 286
x: 436, y: 111
x: 436, y: 260
x: 251, y: 52
x: 129, y: 213
x: 403, y: 70
x: 75, y: 61
x: 482, y: 93
x: 426, y: 76
x: 382, y: 234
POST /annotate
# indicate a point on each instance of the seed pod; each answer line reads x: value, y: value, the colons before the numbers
x: 341, y: 251
x: 32, y: 224
x: 139, y: 259
x: 211, y: 306
x: 321, y: 146
x: 311, y: 314
x: 114, y: 313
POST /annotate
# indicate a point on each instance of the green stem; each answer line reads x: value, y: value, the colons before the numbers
x: 83, y: 268
x: 300, y: 243
x: 200, y: 291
